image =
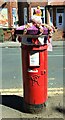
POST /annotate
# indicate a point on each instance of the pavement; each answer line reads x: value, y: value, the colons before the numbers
x: 12, y: 105
x: 18, y: 44
x: 10, y: 44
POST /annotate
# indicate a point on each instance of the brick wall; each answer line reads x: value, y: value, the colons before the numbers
x: 58, y: 35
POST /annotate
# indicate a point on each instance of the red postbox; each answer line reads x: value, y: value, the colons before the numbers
x: 35, y: 73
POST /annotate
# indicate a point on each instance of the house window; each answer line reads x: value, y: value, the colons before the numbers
x: 60, y: 19
x: 51, y: 15
x: 4, y: 17
x: 60, y: 10
x: 15, y: 17
x: 25, y: 15
x: 42, y: 15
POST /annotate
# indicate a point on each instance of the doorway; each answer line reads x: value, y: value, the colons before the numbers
x: 59, y: 18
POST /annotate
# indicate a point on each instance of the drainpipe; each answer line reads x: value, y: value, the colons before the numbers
x: 48, y: 15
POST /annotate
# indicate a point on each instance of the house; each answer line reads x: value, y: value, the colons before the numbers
x: 8, y: 13
x: 56, y: 9
x: 52, y: 10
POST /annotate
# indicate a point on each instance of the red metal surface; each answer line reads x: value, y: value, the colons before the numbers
x: 35, y: 81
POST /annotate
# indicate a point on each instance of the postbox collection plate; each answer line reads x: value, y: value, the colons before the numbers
x: 34, y: 58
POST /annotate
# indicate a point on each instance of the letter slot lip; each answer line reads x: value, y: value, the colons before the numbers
x: 33, y: 71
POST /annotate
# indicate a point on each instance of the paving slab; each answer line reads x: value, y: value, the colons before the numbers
x: 13, y: 107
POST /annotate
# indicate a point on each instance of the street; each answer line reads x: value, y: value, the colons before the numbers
x: 11, y: 68
x: 55, y: 63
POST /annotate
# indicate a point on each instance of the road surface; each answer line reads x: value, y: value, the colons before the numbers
x: 11, y: 68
